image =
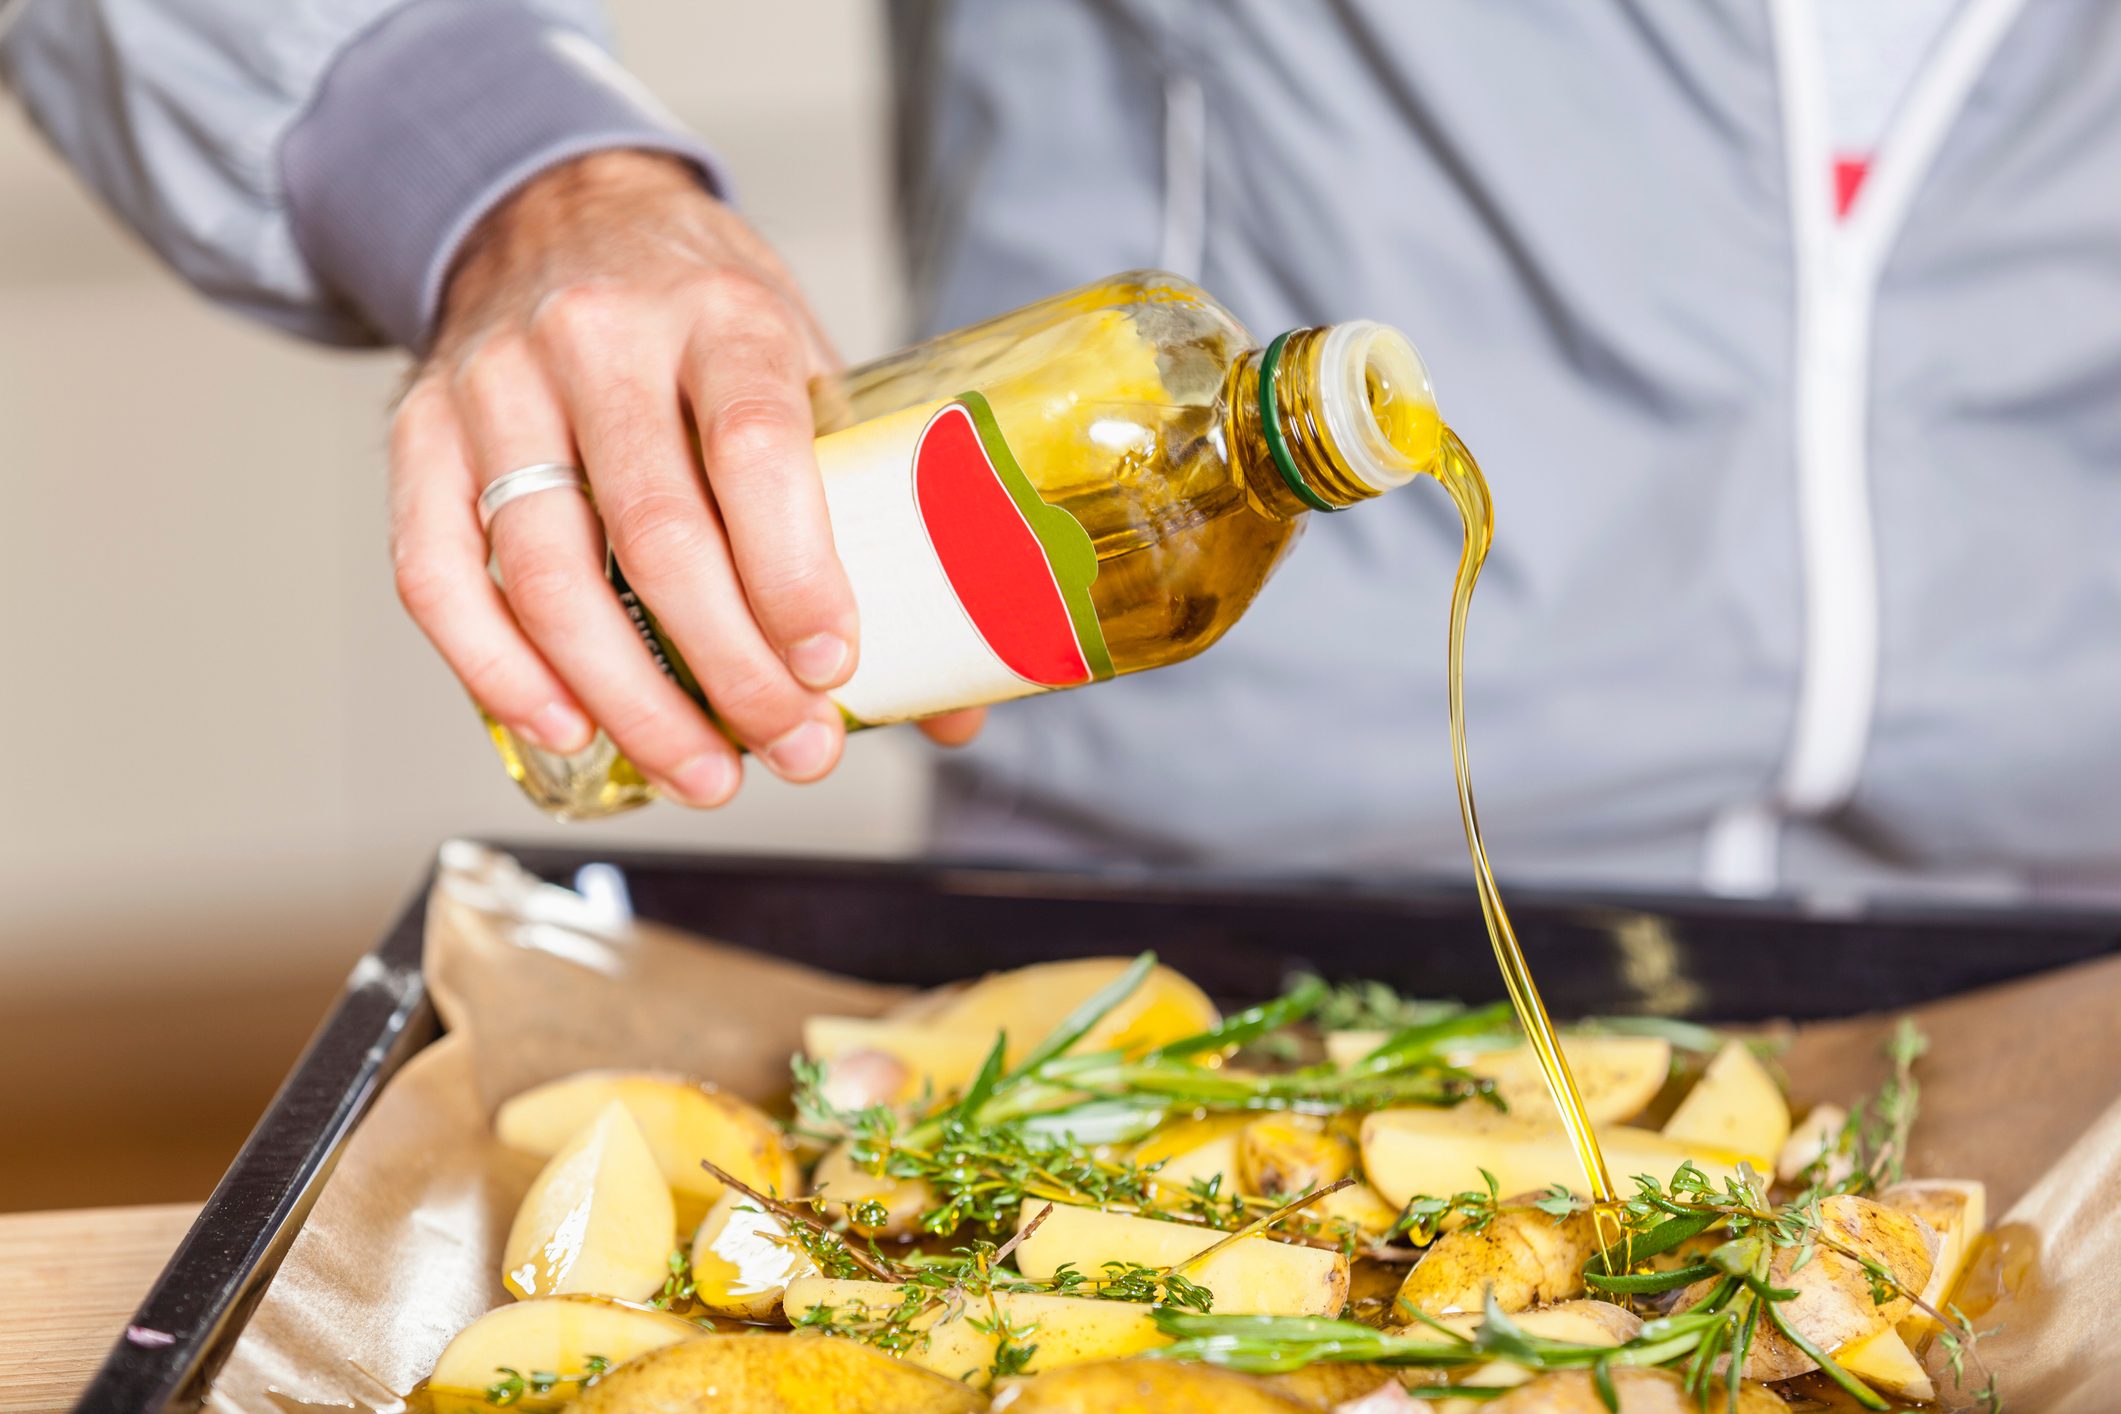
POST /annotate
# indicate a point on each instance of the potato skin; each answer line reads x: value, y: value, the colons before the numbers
x: 1528, y: 1257
x: 1287, y: 1155
x: 1833, y: 1307
x: 1146, y: 1387
x: 774, y: 1374
x: 1641, y: 1391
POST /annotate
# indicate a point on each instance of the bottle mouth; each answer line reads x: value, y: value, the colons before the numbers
x: 1379, y: 405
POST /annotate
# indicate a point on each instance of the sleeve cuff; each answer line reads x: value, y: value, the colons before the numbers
x: 429, y: 120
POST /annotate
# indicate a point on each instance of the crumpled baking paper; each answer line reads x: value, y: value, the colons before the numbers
x: 533, y: 982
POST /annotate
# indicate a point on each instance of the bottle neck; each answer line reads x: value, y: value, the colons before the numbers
x: 1325, y: 417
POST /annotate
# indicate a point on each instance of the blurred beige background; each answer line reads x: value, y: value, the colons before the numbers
x: 229, y: 755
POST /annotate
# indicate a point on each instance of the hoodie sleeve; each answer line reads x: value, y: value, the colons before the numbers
x: 316, y: 165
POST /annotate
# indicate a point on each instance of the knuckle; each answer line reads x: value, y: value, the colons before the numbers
x: 579, y: 314
x: 748, y: 435
x: 734, y: 292
x: 423, y: 586
x: 486, y: 376
x: 756, y: 694
x: 544, y: 591
x: 652, y: 734
x: 656, y: 530
x: 792, y: 587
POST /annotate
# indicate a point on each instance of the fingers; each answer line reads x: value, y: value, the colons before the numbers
x: 548, y: 548
x: 668, y: 533
x: 954, y: 728
x: 748, y: 364
x: 438, y: 554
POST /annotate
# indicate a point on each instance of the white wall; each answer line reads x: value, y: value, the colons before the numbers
x: 228, y: 754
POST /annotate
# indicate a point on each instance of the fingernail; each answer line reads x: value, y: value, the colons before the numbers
x: 707, y: 779
x: 559, y: 728
x: 816, y: 661
x: 802, y: 753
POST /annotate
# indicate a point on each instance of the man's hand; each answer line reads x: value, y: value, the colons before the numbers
x: 615, y: 316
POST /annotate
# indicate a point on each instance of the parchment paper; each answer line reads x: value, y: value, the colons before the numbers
x: 534, y: 982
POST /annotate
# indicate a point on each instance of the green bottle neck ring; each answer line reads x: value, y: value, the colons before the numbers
x: 1347, y: 412
x: 1270, y: 428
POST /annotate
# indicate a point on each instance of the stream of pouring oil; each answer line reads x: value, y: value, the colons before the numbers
x: 1468, y: 490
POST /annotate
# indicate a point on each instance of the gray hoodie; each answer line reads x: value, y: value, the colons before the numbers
x: 1808, y: 570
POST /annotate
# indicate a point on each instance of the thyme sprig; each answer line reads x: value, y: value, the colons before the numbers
x: 514, y: 1384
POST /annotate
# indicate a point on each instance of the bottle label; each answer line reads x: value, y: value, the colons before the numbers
x: 970, y: 587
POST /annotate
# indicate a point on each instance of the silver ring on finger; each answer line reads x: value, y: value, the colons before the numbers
x: 527, y: 481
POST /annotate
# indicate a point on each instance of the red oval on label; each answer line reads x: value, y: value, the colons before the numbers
x: 993, y: 560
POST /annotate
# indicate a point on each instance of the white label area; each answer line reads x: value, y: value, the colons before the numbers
x: 920, y: 652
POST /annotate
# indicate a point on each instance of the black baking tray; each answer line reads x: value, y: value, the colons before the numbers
x: 928, y: 923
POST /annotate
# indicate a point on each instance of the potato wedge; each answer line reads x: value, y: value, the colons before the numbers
x: 1029, y: 1002
x: 1884, y: 1362
x: 1599, y: 1323
x: 1288, y: 1155
x: 1736, y: 1107
x: 774, y: 1374
x: 597, y: 1220
x: 1617, y: 1076
x: 1406, y: 1153
x: 935, y: 1057
x: 1215, y: 1159
x: 683, y: 1120
x: 1145, y: 1387
x: 845, y: 1186
x: 1257, y: 1275
x: 1524, y: 1255
x: 1067, y: 1330
x: 1181, y: 1137
x: 743, y: 1260
x: 556, y: 1334
x: 1957, y: 1211
x: 1810, y: 1138
x: 1833, y: 1308
x: 1641, y: 1391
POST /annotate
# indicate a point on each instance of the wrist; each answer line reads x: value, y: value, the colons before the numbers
x: 432, y: 119
x: 551, y: 212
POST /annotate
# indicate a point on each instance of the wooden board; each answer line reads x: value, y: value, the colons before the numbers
x: 68, y: 1283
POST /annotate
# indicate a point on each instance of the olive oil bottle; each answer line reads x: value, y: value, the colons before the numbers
x: 1095, y: 484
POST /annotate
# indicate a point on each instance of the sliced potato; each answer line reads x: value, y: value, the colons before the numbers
x: 1957, y: 1211
x: 1145, y: 1387
x: 1616, y: 1076
x: 1736, y: 1107
x: 1438, y: 1152
x: 938, y: 1058
x: 1357, y: 1206
x: 1256, y: 1275
x: 774, y: 1374
x: 1598, y: 1323
x: 1641, y: 1391
x: 559, y: 1334
x: 1580, y: 1322
x: 683, y: 1120
x: 1833, y: 1308
x: 1029, y: 1002
x: 1066, y: 1330
x: 1215, y: 1159
x: 846, y: 1186
x: 1180, y: 1137
x: 1288, y: 1155
x: 743, y: 1260
x: 1524, y: 1256
x: 1810, y: 1138
x: 1884, y: 1362
x: 598, y: 1218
